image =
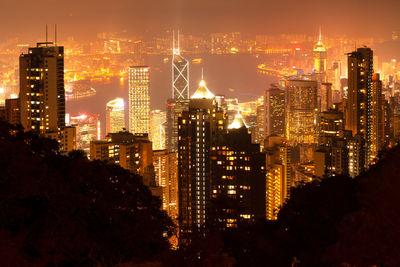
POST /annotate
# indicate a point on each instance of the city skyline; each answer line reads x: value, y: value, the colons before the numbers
x: 200, y: 133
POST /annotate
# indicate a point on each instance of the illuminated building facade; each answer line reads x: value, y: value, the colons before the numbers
x: 325, y: 96
x: 180, y: 74
x: 319, y: 53
x: 278, y: 175
x: 42, y: 93
x: 237, y: 178
x: 360, y: 70
x: 132, y: 152
x: 356, y: 148
x: 87, y: 130
x: 197, y: 130
x: 301, y: 104
x: 157, y: 129
x: 331, y: 126
x: 174, y: 109
x: 139, y: 99
x: 166, y: 176
x: 274, y: 108
x: 376, y: 137
x: 180, y: 97
x: 115, y: 115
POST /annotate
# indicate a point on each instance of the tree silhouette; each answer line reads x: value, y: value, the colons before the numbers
x: 58, y: 210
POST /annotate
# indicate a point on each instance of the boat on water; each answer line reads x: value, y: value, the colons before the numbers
x: 197, y: 60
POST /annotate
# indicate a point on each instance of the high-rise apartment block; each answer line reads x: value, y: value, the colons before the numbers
x: 139, y: 99
x: 166, y: 177
x: 42, y: 94
x: 197, y: 131
x: 237, y: 178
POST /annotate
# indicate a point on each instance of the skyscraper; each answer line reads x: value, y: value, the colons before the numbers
x: 180, y: 74
x: 301, y: 105
x: 180, y: 96
x: 115, y: 115
x: 157, y: 129
x: 359, y: 98
x: 360, y: 70
x: 197, y: 131
x: 319, y: 52
x: 42, y: 94
x: 274, y: 108
x: 174, y: 109
x: 237, y: 178
x: 139, y: 99
x: 376, y: 118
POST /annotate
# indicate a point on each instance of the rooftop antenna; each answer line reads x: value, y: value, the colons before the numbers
x: 178, y: 43
x: 173, y: 41
x: 55, y: 34
x: 320, y: 34
x: 202, y: 74
x: 46, y: 34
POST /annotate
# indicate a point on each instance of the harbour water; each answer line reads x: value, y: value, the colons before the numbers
x: 234, y: 76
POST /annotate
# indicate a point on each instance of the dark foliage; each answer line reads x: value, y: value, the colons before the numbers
x: 337, y: 221
x: 58, y: 210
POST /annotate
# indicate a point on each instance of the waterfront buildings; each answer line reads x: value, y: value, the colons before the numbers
x: 87, y: 130
x: 139, y: 99
x: 115, y: 115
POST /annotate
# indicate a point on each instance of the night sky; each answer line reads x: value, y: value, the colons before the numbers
x: 83, y: 18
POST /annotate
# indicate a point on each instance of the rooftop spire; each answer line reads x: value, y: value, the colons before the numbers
x: 202, y: 91
x: 175, y: 51
x: 320, y: 34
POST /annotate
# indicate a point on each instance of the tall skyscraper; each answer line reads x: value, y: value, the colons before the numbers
x: 180, y: 96
x: 115, y: 115
x: 174, y: 109
x: 274, y: 108
x: 180, y: 74
x: 157, y: 129
x: 237, y: 178
x: 42, y: 94
x: 359, y: 97
x: 301, y: 105
x: 197, y: 129
x: 319, y: 52
x: 139, y: 99
x: 376, y: 118
x: 360, y: 70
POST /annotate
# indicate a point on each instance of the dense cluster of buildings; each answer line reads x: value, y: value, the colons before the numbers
x: 216, y: 163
